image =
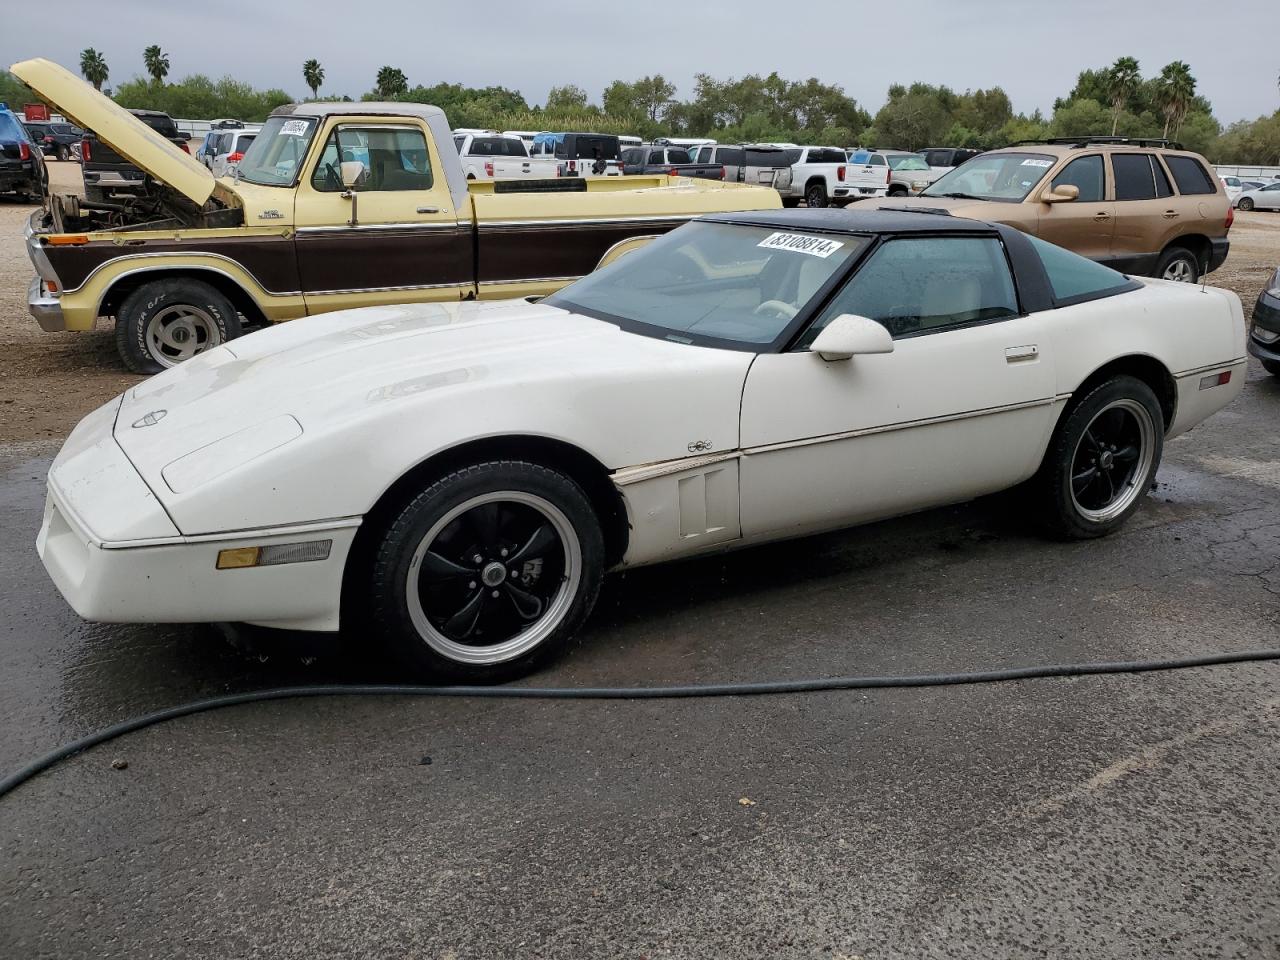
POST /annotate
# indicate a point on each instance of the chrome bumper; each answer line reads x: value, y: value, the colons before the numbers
x: 45, y: 307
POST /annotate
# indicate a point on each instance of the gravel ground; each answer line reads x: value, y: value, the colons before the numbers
x: 48, y: 381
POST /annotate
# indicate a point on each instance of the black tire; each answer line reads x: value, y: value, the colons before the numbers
x: 790, y: 202
x: 203, y: 316
x: 442, y: 518
x: 1271, y: 366
x: 897, y: 191
x: 63, y: 152
x: 815, y: 195
x: 1063, y: 492
x: 1245, y: 203
x: 1178, y: 263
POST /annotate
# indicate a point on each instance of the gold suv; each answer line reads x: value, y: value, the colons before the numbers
x: 1144, y: 207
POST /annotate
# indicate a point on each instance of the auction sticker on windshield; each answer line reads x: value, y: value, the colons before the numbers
x: 294, y: 128
x: 799, y: 243
x: 1033, y: 162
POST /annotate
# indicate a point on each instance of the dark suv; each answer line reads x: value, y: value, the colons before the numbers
x: 57, y: 140
x: 107, y: 174
x: 21, y: 164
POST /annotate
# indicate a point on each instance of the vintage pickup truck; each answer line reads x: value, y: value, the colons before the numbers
x: 335, y: 205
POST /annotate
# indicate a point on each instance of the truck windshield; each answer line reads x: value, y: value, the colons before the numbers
x: 909, y: 162
x: 716, y: 284
x: 277, y: 151
x: 1004, y: 177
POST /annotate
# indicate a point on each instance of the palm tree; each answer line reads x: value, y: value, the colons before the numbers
x: 1175, y: 89
x: 94, y: 67
x: 313, y: 74
x: 1123, y: 80
x: 391, y: 82
x: 157, y: 62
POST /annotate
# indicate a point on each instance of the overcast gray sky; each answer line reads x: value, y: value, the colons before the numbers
x: 1031, y: 48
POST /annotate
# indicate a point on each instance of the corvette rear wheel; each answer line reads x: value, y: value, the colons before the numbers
x: 489, y: 572
x: 1102, y: 459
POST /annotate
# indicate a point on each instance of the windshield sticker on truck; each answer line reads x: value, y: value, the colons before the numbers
x: 294, y: 128
x: 1033, y: 162
x: 799, y: 243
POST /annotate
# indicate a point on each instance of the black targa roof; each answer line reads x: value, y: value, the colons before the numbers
x: 856, y: 221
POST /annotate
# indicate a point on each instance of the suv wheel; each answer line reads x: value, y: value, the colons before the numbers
x: 1178, y: 263
x: 897, y: 191
x: 165, y: 322
x: 63, y: 152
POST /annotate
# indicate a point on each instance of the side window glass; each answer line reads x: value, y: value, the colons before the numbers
x: 1084, y: 173
x: 1134, y: 180
x: 1189, y: 175
x: 1073, y: 277
x: 1163, y: 189
x: 393, y: 158
x: 877, y: 160
x: 915, y: 286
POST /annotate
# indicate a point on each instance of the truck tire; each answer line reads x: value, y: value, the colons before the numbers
x: 63, y: 152
x: 815, y: 194
x: 165, y: 322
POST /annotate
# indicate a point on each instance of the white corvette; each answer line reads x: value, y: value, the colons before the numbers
x: 458, y: 478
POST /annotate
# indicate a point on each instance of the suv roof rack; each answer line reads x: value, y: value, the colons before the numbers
x: 1089, y: 141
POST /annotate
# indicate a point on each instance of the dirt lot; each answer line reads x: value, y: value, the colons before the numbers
x: 49, y: 381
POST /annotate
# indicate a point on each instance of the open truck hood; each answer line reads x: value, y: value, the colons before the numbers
x: 118, y: 128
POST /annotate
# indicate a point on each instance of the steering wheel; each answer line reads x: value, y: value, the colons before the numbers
x: 332, y: 177
x: 778, y: 307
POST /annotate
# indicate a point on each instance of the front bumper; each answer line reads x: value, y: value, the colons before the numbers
x: 114, y: 555
x: 45, y: 307
x: 1266, y: 320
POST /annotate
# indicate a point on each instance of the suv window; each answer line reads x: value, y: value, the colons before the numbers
x: 1163, y: 189
x: 1189, y: 175
x: 921, y: 285
x: 730, y: 156
x: 938, y: 158
x: 1074, y: 278
x: 767, y: 158
x: 876, y: 160
x: 1086, y: 174
x: 394, y: 158
x: 1134, y: 179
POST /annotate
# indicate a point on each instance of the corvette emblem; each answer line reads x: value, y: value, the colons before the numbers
x: 150, y: 419
x: 699, y: 446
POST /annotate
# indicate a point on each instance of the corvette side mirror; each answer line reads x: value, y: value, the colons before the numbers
x: 848, y: 335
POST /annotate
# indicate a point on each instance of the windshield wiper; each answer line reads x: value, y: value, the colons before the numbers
x: 953, y: 196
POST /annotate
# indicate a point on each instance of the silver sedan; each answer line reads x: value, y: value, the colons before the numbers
x: 1263, y: 198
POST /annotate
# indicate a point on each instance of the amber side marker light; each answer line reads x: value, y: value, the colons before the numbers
x: 240, y: 558
x: 67, y: 240
x: 1215, y: 380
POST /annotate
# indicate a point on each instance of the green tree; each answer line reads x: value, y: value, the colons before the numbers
x: 1123, y: 80
x: 391, y: 83
x: 1175, y: 90
x: 157, y: 63
x: 647, y: 97
x: 566, y: 98
x: 913, y: 118
x: 1079, y: 118
x: 313, y: 74
x: 94, y: 67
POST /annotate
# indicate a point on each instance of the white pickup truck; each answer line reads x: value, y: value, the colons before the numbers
x: 495, y: 156
x: 822, y: 176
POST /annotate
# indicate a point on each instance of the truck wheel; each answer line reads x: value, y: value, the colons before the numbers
x: 488, y: 572
x: 815, y: 195
x: 897, y: 191
x: 63, y: 152
x: 165, y: 322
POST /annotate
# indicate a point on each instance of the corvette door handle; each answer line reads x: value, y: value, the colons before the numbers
x: 1028, y: 351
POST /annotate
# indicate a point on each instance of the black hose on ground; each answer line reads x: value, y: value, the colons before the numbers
x: 763, y: 688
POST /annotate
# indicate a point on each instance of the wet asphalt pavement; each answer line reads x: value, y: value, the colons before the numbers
x: 1112, y: 817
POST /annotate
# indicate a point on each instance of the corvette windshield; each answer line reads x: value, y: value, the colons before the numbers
x: 713, y: 282
x: 1006, y: 177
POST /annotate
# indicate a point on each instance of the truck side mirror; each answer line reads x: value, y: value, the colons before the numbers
x: 353, y: 173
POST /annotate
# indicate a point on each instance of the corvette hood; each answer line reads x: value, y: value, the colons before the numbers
x: 117, y: 127
x: 384, y: 387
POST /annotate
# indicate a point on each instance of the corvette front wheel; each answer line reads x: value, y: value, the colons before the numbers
x: 489, y: 572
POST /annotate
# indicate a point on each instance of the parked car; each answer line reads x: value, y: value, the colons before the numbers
x: 58, y: 140
x: 579, y: 154
x: 811, y: 370
x: 1233, y: 187
x: 109, y: 176
x: 21, y: 161
x: 500, y: 157
x: 204, y: 152
x: 230, y: 148
x: 667, y: 161
x: 330, y: 210
x: 871, y: 172
x: 942, y: 159
x: 1145, y: 206
x: 1260, y: 198
x: 1264, y: 335
x: 821, y: 176
x: 909, y: 173
x: 751, y: 163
